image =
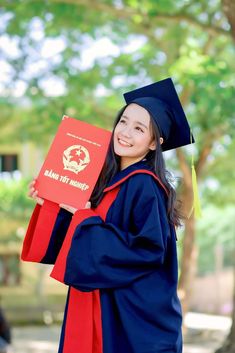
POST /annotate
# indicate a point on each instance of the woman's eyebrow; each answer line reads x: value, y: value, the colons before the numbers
x: 138, y: 122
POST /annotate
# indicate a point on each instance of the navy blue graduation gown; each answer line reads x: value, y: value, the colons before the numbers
x: 121, y: 268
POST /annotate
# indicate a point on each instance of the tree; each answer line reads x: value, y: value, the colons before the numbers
x: 229, y: 343
x: 229, y: 10
x: 190, y: 41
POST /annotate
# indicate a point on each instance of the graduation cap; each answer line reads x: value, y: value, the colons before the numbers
x: 160, y: 99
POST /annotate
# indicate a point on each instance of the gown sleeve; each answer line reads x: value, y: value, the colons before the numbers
x: 98, y: 254
x: 45, y: 233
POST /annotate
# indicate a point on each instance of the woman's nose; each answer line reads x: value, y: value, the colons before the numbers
x: 126, y: 131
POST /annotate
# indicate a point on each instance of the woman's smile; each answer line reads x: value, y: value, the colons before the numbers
x: 124, y: 143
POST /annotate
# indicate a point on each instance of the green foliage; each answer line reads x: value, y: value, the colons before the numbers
x: 186, y: 39
x: 15, y: 210
x: 14, y: 200
x: 216, y: 228
x: 176, y: 44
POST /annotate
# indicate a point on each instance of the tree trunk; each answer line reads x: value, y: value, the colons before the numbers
x: 189, y: 255
x: 229, y: 343
x: 189, y: 251
x: 229, y: 11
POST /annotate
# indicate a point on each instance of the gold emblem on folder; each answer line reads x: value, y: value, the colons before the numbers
x: 76, y: 158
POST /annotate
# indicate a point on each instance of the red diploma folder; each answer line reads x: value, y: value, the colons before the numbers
x: 73, y: 163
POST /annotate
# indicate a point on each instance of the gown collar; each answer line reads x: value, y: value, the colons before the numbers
x: 135, y: 168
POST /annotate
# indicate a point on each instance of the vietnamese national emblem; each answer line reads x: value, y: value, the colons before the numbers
x: 76, y: 158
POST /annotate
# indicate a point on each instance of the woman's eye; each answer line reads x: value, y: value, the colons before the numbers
x: 122, y: 121
x: 139, y: 129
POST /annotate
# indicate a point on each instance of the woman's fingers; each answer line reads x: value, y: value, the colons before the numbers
x: 73, y: 209
x: 33, y: 193
x: 39, y: 200
x: 31, y: 187
x: 31, y: 184
x: 68, y: 208
x: 36, y: 198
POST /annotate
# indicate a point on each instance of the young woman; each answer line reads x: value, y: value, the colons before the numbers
x: 118, y: 254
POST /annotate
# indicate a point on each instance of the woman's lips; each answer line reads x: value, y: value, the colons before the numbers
x: 124, y: 143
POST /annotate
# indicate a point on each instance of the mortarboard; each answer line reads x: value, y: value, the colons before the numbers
x: 161, y: 100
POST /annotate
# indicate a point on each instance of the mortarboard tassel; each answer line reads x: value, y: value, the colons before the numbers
x: 196, y: 201
x: 196, y: 207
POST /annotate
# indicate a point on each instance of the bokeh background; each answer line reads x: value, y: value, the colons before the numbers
x: 77, y: 57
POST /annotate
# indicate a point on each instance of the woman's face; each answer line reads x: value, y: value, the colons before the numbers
x: 132, y: 135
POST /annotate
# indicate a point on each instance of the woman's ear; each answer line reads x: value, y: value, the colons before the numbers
x: 152, y: 146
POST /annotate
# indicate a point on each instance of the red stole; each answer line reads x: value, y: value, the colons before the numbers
x: 83, y: 328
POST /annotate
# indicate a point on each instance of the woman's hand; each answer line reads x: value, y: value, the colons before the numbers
x: 33, y: 193
x: 72, y: 209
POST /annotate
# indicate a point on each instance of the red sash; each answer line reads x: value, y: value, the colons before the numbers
x: 83, y: 329
x: 39, y: 231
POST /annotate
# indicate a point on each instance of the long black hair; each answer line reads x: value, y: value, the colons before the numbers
x: 155, y: 161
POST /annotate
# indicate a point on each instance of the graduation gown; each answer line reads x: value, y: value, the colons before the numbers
x: 120, y: 263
